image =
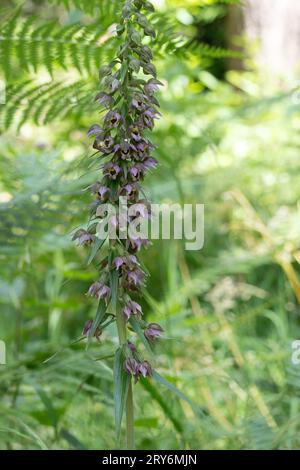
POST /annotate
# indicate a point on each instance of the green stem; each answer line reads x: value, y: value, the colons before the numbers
x: 130, y: 418
x: 121, y: 326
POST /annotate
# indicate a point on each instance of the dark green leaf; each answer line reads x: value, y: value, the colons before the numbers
x: 48, y: 405
x: 72, y: 440
x: 135, y: 325
x: 96, y: 246
x: 114, y: 284
x: 121, y: 382
x: 100, y: 316
x: 177, y: 392
x: 151, y: 389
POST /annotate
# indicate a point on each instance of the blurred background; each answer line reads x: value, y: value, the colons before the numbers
x: 229, y: 138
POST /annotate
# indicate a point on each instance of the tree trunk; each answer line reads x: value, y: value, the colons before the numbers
x: 274, y: 27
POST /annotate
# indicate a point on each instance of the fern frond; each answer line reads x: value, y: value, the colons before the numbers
x: 25, y: 44
x: 169, y: 41
x: 90, y: 7
x: 214, y: 52
x: 28, y: 101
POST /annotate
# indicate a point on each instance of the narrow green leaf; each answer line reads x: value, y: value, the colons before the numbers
x: 72, y: 440
x: 121, y: 383
x: 114, y: 285
x: 100, y: 316
x: 135, y: 325
x: 96, y: 246
x: 151, y: 389
x: 123, y: 72
x: 48, y: 405
x: 177, y: 392
x: 33, y: 435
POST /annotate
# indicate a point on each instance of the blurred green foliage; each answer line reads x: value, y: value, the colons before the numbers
x: 230, y: 311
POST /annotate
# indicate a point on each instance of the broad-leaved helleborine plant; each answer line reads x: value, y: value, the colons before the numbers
x: 124, y: 151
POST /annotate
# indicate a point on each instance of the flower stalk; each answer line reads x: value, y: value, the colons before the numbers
x: 124, y: 156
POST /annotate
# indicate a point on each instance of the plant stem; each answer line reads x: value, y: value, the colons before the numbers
x: 121, y: 325
x: 130, y: 418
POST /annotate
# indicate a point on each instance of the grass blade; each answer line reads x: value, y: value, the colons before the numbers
x: 151, y: 389
x: 121, y: 379
x: 177, y: 392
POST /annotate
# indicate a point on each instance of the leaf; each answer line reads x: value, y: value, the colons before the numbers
x: 48, y: 405
x: 177, y: 392
x: 114, y: 284
x: 163, y: 404
x: 135, y: 325
x: 34, y: 436
x: 72, y: 440
x: 100, y: 316
x: 121, y: 383
x: 96, y: 246
x: 123, y: 72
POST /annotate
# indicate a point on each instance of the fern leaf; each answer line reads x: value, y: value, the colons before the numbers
x: 26, y: 44
x: 41, y: 104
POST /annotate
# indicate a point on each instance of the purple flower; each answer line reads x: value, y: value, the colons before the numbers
x: 131, y: 191
x: 136, y: 172
x: 95, y: 130
x: 149, y: 163
x: 142, y: 209
x: 152, y: 86
x: 147, y: 118
x: 108, y: 143
x: 147, y: 122
x: 83, y: 237
x: 135, y: 368
x: 112, y: 119
x: 118, y: 262
x: 111, y: 170
x: 153, y: 331
x: 132, y: 308
x: 145, y: 369
x: 99, y: 290
x: 88, y: 328
x: 133, y: 279
x: 127, y: 262
x: 144, y: 147
x: 102, y: 192
x: 105, y: 99
x: 124, y: 149
x: 135, y: 244
x: 135, y: 132
x: 131, y: 366
x: 131, y: 346
x: 104, y: 145
x: 138, y: 102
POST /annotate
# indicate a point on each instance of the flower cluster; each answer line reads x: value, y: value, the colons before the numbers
x: 135, y: 366
x: 124, y: 150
